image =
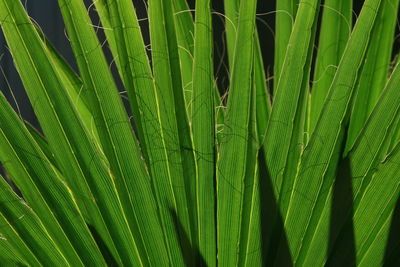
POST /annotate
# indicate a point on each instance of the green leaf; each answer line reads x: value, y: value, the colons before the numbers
x: 298, y: 140
x: 286, y: 11
x: 13, y: 251
x: 67, y: 136
x: 263, y: 96
x: 182, y: 119
x: 263, y: 101
x: 115, y: 133
x: 73, y: 85
x: 12, y: 246
x: 369, y: 150
x: 169, y: 179
x: 395, y: 134
x: 231, y: 24
x: 250, y: 253
x: 45, y: 190
x: 366, y: 154
x: 337, y: 19
x: 184, y: 28
x: 176, y: 178
x: 307, y: 194
x: 290, y: 95
x: 203, y: 128
x: 374, y: 256
x: 42, y: 142
x: 23, y: 230
x: 231, y: 165
x: 376, y: 206
x: 298, y: 81
x: 374, y: 74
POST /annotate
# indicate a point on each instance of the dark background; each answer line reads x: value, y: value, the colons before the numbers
x: 47, y: 15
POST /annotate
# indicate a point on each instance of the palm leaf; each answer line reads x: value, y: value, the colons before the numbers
x: 230, y: 176
x: 308, y: 197
x: 145, y: 164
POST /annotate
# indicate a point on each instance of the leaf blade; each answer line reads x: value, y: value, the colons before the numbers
x: 230, y: 176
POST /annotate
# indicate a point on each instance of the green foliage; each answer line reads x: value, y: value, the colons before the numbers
x: 305, y: 174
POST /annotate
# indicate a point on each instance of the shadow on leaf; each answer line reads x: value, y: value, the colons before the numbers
x: 273, y: 235
x: 341, y: 249
x: 191, y: 254
x: 392, y: 250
